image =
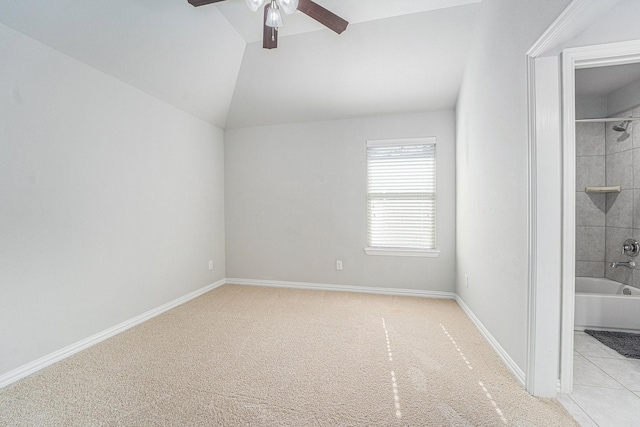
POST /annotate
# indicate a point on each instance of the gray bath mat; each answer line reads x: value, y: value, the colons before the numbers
x: 623, y: 342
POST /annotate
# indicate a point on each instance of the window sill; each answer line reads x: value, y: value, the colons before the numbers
x: 429, y: 253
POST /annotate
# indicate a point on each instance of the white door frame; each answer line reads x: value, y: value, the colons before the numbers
x: 545, y: 195
x: 546, y: 371
x: 572, y: 59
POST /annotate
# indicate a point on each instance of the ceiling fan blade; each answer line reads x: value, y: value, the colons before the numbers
x: 323, y: 16
x: 269, y: 34
x: 197, y: 3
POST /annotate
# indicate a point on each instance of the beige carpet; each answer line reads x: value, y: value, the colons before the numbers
x: 251, y: 356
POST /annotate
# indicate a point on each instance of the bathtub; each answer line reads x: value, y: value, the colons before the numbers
x: 601, y: 304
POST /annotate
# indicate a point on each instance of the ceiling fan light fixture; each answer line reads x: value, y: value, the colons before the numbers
x: 254, y: 5
x: 289, y: 6
x: 274, y: 17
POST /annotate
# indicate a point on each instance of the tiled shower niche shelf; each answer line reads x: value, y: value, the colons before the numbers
x: 610, y: 189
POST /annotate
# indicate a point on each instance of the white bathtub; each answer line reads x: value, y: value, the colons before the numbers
x: 601, y: 304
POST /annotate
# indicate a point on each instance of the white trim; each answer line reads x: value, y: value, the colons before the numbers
x: 568, y: 221
x: 556, y: 33
x: 536, y: 366
x: 544, y: 230
x: 577, y: 16
x: 428, y: 253
x: 557, y: 29
x: 43, y: 362
x: 604, y: 55
x: 532, y: 221
x: 342, y: 288
x: 402, y: 141
x: 513, y: 366
x: 56, y: 356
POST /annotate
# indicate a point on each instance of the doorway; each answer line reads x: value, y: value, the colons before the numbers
x: 594, y: 60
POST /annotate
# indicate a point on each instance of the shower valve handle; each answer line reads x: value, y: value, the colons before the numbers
x: 631, y: 248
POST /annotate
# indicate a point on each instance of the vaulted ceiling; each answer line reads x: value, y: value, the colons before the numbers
x: 396, y: 56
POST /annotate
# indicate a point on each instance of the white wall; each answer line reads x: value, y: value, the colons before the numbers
x: 111, y: 201
x: 591, y: 106
x: 625, y: 98
x: 491, y: 165
x: 296, y: 203
x: 610, y: 105
x: 619, y: 24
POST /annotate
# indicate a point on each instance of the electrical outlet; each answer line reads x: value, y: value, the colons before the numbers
x: 338, y: 265
x: 210, y: 265
x: 466, y: 280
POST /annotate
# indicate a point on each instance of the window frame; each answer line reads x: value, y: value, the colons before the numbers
x: 391, y: 251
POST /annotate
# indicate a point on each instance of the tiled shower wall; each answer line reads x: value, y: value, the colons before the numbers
x: 605, y: 221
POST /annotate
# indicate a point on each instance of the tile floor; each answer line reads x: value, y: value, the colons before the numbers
x: 606, y: 386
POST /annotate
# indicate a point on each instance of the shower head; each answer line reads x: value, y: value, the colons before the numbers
x: 622, y: 127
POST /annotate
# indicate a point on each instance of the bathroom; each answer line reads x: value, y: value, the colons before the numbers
x: 608, y: 180
x: 607, y: 222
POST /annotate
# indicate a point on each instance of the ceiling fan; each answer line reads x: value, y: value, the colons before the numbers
x: 273, y: 18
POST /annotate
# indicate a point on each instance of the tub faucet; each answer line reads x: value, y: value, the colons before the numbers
x: 628, y: 264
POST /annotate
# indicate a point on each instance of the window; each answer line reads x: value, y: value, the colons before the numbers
x: 401, y: 197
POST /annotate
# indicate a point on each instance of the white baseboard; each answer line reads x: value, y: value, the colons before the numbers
x: 517, y: 372
x: 65, y: 352
x: 343, y: 288
x: 43, y: 362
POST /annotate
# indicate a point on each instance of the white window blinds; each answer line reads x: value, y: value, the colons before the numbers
x: 401, y: 194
